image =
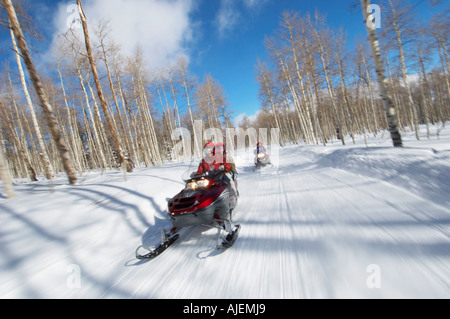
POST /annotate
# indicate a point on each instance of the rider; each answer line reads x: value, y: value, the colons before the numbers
x: 208, y: 163
x: 215, y: 160
x: 226, y: 164
x: 261, y: 156
x: 222, y: 159
x: 260, y: 148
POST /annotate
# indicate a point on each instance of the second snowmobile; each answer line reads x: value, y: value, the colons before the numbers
x: 207, y: 199
x: 262, y: 160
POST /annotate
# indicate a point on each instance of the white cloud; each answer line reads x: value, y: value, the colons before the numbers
x: 161, y: 27
x: 239, y: 118
x: 227, y: 17
x: 253, y: 3
x: 230, y: 14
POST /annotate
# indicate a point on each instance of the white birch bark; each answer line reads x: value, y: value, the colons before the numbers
x: 389, y: 106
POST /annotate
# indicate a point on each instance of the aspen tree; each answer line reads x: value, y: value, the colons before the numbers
x: 292, y: 22
x: 5, y: 174
x: 389, y: 106
x: 48, y: 168
x: 182, y: 65
x: 18, y: 143
x: 47, y: 108
x: 395, y: 22
x: 115, y: 139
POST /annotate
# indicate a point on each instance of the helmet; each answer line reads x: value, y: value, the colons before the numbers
x: 220, y: 146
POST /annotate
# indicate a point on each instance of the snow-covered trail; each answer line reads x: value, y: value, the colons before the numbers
x: 333, y: 222
x: 309, y: 232
x: 313, y: 232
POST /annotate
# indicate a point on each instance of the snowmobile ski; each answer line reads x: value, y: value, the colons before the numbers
x: 230, y: 239
x: 158, y: 250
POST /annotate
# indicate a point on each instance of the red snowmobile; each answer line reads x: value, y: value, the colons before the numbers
x: 207, y: 199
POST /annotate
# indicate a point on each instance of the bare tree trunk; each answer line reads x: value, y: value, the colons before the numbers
x: 263, y: 78
x: 116, y: 143
x: 73, y: 137
x: 372, y: 100
x: 310, y: 64
x: 389, y: 106
x: 175, y: 104
x: 306, y: 120
x: 443, y: 57
x: 154, y: 140
x: 170, y: 119
x: 97, y: 119
x: 412, y: 107
x: 344, y: 91
x: 5, y: 174
x: 307, y: 129
x: 98, y: 132
x: 128, y: 132
x: 322, y: 54
x: 425, y: 104
x: 49, y: 173
x: 392, y: 87
x: 197, y: 147
x: 48, y: 114
x: 21, y: 150
x: 113, y: 91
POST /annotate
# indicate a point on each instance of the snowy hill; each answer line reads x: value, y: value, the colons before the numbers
x: 331, y: 222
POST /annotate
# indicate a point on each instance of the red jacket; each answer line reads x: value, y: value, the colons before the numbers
x: 214, y: 166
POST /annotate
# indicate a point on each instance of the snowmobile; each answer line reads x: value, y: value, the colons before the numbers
x: 207, y: 199
x: 261, y: 160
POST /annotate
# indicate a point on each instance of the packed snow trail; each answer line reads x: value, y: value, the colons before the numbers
x: 326, y: 223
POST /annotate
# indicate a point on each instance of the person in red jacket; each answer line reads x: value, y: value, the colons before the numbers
x: 214, y: 160
x: 208, y: 163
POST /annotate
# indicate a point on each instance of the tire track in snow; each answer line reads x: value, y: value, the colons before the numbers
x: 301, y: 264
x: 290, y: 255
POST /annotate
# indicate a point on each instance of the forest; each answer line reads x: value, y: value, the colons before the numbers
x: 96, y: 108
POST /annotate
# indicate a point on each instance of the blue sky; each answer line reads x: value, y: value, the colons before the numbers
x: 221, y: 37
x: 231, y: 57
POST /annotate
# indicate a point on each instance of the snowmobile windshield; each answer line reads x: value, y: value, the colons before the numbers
x: 192, y: 168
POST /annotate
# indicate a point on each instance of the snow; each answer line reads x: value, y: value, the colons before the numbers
x: 330, y: 222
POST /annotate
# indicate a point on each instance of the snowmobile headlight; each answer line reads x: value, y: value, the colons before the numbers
x: 261, y: 155
x: 198, y: 184
x: 192, y: 185
x: 203, y: 183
